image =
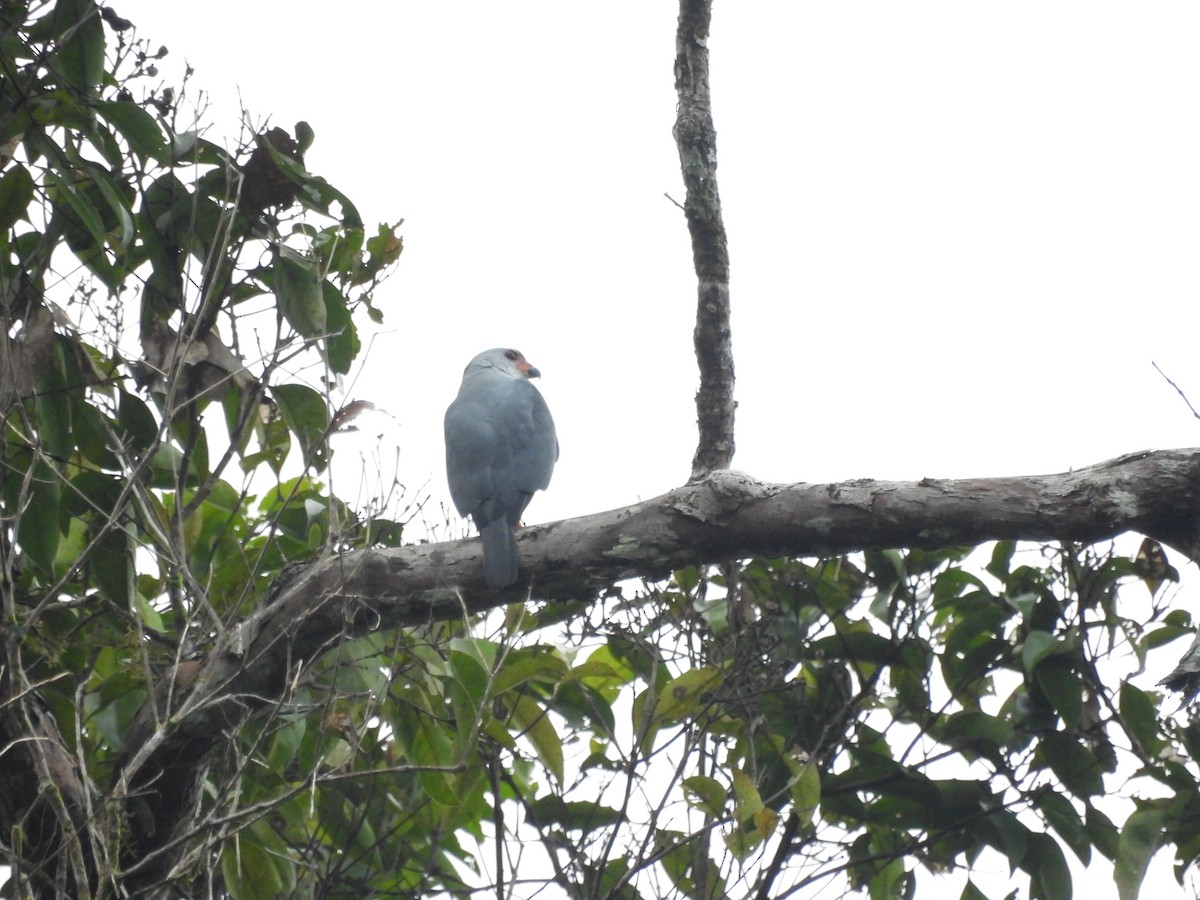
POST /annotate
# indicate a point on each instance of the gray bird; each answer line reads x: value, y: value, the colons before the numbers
x: 500, y: 448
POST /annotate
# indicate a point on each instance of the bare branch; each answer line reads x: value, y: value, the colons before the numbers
x: 1178, y: 389
x: 732, y: 515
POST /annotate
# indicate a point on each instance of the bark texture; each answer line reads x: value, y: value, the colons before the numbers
x: 732, y: 515
x: 696, y: 138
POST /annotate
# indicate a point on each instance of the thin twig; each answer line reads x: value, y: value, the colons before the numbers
x: 1177, y: 389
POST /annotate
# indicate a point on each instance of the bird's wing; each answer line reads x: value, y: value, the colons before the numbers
x: 534, y: 441
x: 470, y: 453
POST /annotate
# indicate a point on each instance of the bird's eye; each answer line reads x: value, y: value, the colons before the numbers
x: 512, y: 355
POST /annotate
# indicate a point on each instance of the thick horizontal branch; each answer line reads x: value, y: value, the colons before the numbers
x: 728, y: 515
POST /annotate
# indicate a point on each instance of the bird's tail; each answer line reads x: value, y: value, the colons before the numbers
x: 499, y: 554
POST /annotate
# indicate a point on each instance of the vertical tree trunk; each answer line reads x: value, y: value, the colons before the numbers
x: 697, y: 142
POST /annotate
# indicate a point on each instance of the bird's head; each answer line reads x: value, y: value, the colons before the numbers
x: 510, y: 362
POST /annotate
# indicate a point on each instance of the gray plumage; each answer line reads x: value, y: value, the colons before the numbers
x: 500, y: 448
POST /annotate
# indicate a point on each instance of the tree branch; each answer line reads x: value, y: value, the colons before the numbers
x: 731, y: 515
x: 42, y: 795
x: 727, y: 515
x: 696, y: 139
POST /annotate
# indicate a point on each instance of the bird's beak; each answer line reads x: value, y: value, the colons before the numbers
x: 527, y: 370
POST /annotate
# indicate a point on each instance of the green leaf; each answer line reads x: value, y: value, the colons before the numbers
x: 686, y: 695
x: 138, y: 127
x: 307, y: 415
x: 189, y: 147
x: 535, y: 724
x: 991, y: 731
x: 384, y: 248
x: 583, y: 707
x: 80, y: 34
x: 705, y: 794
x: 1073, y: 763
x: 39, y: 527
x: 1038, y: 645
x: 859, y: 646
x: 1001, y: 561
x: 1140, y: 716
x: 673, y: 852
x: 806, y: 792
x: 471, y: 675
x: 77, y: 208
x: 954, y: 585
x: 1005, y: 832
x: 887, y: 568
x: 71, y: 546
x: 604, y: 672
x: 112, y: 566
x: 117, y: 204
x: 581, y: 815
x: 1050, y: 878
x: 746, y: 799
x: 249, y: 872
x: 299, y: 292
x: 285, y: 742
x: 594, y: 672
x: 468, y: 692
x: 611, y: 882
x: 687, y: 578
x: 1102, y: 831
x: 16, y: 193
x: 1062, y: 817
x: 136, y: 424
x: 518, y: 669
x: 304, y: 136
x: 891, y: 881
x: 431, y: 747
x: 315, y: 192
x: 105, y: 141
x: 53, y: 404
x: 337, y: 754
x: 150, y: 616
x: 468, y: 717
x: 92, y: 494
x: 342, y: 344
x: 1141, y: 838
x: 1062, y: 687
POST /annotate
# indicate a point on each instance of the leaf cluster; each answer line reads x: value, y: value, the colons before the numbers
x: 175, y: 314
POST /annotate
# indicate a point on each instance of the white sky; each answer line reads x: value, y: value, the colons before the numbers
x: 960, y: 232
